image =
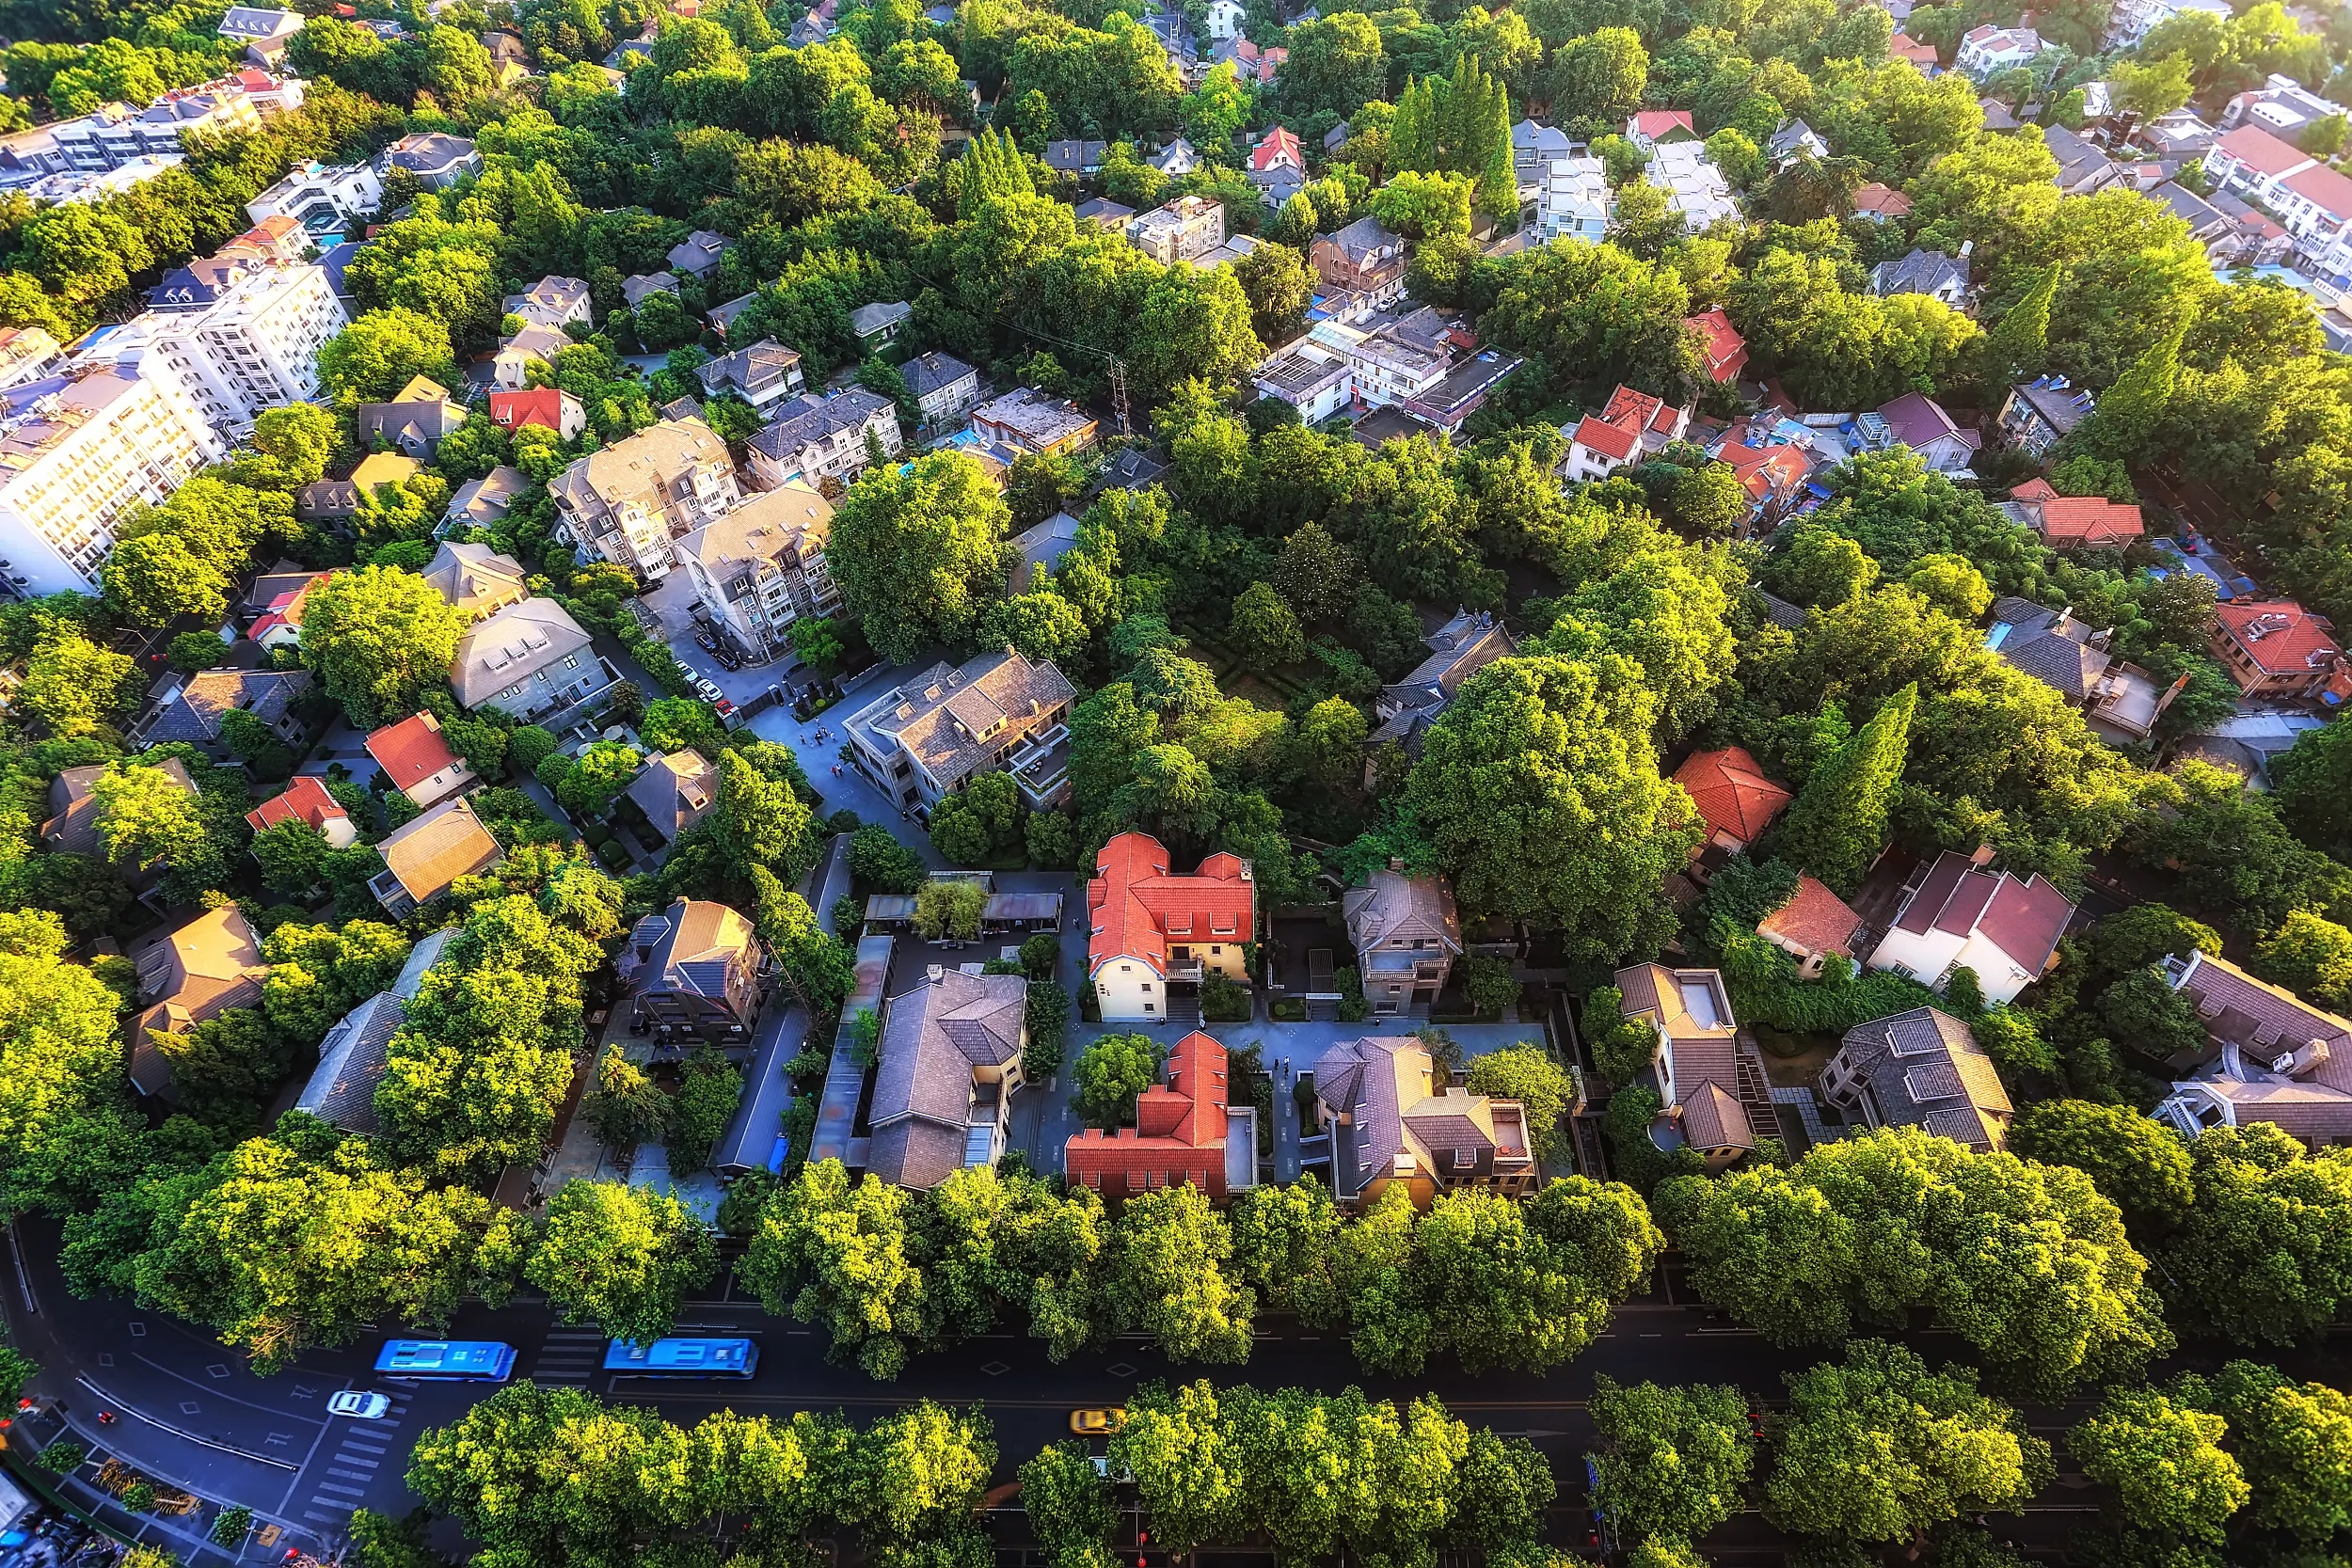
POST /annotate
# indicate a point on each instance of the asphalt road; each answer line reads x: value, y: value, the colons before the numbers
x: 189, y: 1413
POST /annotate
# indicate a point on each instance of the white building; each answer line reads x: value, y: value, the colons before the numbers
x: 243, y: 333
x: 1988, y: 50
x: 1695, y: 186
x: 28, y: 354
x: 1183, y: 230
x: 77, y: 453
x: 625, y: 503
x: 762, y: 566
x: 2311, y: 200
x: 553, y: 302
x: 1224, y: 20
x: 1574, y: 202
x: 318, y: 196
x: 824, y: 438
x: 2281, y: 105
x: 1959, y: 915
x: 2135, y: 18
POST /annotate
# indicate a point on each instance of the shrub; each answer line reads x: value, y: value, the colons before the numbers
x: 63, y: 1456
x: 1353, y: 1007
x: 1040, y: 955
x: 707, y: 1093
x: 1224, y: 999
x: 232, y: 1526
x: 1047, y: 1015
x: 865, y: 1036
x: 139, y: 1498
x: 612, y: 854
x: 880, y: 863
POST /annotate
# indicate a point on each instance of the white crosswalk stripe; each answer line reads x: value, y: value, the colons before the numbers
x: 569, y: 1357
x: 356, y: 1459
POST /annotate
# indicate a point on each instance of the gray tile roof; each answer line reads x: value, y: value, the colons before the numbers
x: 934, y: 1038
x: 209, y: 695
x: 1926, y: 1069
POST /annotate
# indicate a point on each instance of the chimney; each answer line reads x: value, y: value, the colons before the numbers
x: 935, y: 973
x: 1966, y: 248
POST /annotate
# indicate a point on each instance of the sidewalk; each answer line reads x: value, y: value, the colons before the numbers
x: 78, y: 1494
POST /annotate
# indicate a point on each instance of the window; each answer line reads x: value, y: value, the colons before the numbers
x: 1148, y: 1008
x: 1147, y: 988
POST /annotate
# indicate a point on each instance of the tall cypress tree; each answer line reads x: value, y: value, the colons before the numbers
x: 1839, y: 824
x: 2124, y: 425
x: 1497, y: 176
x: 2019, y: 343
x: 1410, y: 134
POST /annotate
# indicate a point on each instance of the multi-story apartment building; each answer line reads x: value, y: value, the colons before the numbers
x: 320, y: 196
x: 2311, y: 200
x: 824, y: 438
x: 115, y: 134
x: 241, y: 331
x: 627, y: 502
x: 28, y: 354
x: 762, y: 566
x: 1574, y: 201
x: 1185, y: 229
x: 78, y: 452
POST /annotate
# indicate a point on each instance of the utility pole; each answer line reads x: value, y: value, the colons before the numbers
x: 1119, y: 392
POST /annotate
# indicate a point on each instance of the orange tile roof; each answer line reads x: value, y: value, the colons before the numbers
x: 411, y: 751
x: 2282, y: 637
x: 1815, y: 919
x: 2088, y: 520
x: 305, y: 800
x: 1884, y: 199
x: 1732, y: 793
x: 2034, y: 490
x: 539, y: 406
x: 1178, y: 1136
x: 1135, y: 906
x: 1726, y: 351
x: 1280, y: 143
x: 2263, y: 152
x: 1613, y: 442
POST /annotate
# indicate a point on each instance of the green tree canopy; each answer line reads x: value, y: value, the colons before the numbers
x: 379, y: 639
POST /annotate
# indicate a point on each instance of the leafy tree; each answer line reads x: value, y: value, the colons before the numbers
x: 155, y: 579
x: 1110, y: 1075
x: 2140, y: 1164
x: 1834, y: 1215
x: 2313, y: 787
x: 599, y: 776
x: 145, y: 815
x: 1069, y: 1505
x: 978, y: 823
x: 1675, y: 1461
x: 2293, y: 1441
x: 949, y: 908
x: 1821, y: 567
x: 2310, y: 954
x: 709, y: 1090
x: 880, y: 862
x: 1952, y: 584
x: 1837, y: 825
x: 2018, y: 345
x: 1164, y: 1273
x: 1284, y: 1241
x: 827, y: 1251
x: 2165, y: 1460
x: 623, y: 1108
x: 1879, y: 1448
x: 381, y: 352
x: 2265, y: 1211
x: 2124, y: 425
x: 1525, y: 1073
x: 757, y: 821
x: 2234, y: 857
x: 620, y: 1257
x: 74, y: 685
x: 1264, y: 632
x: 680, y: 724
x: 1593, y: 827
x: 918, y: 554
x: 379, y: 639
x: 1621, y: 1046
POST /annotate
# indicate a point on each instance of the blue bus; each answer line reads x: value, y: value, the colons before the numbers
x: 460, y: 1360
x: 683, y: 1358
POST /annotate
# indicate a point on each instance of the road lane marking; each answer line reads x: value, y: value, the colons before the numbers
x: 339, y: 1487
x: 185, y: 1436
x: 349, y: 1475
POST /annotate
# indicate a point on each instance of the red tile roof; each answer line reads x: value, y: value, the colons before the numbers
x: 2088, y: 520
x: 1135, y: 906
x: 2033, y: 490
x: 1815, y: 919
x: 539, y: 406
x: 1280, y: 145
x: 2280, y: 636
x: 1654, y: 123
x: 1614, y: 442
x: 1639, y: 410
x: 305, y: 800
x: 1726, y: 351
x: 2324, y: 187
x: 1902, y: 46
x: 1765, y: 472
x: 2257, y: 150
x: 1732, y: 793
x: 411, y: 751
x: 1179, y: 1134
x: 1884, y: 199
x: 285, y: 610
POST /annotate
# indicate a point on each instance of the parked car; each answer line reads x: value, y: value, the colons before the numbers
x: 709, y: 690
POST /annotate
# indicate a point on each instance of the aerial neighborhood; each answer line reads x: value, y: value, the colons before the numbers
x: 1613, y: 731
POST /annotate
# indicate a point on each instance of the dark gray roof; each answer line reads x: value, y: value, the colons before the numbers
x: 932, y: 1038
x: 2062, y: 406
x: 1133, y: 470
x: 211, y: 694
x: 1781, y: 612
x: 1926, y: 1069
x: 2057, y: 660
x: 1922, y: 272
x: 810, y: 419
x: 1792, y: 135
x: 355, y: 1054
x: 2200, y: 215
x: 2079, y: 161
x: 1069, y: 157
x: 926, y: 373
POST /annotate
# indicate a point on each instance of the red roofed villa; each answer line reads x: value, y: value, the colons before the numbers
x: 1725, y: 353
x: 1652, y: 126
x: 547, y: 407
x: 2276, y: 649
x: 1882, y: 203
x: 1812, y: 927
x: 418, y: 761
x: 1960, y: 915
x: 281, y: 625
x: 1148, y: 929
x: 2083, y: 522
x: 1633, y: 423
x: 306, y: 799
x: 1278, y: 146
x: 1735, y: 800
x: 1186, y: 1131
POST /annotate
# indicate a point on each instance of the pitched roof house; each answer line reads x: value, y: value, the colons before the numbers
x: 1186, y: 1130
x: 1814, y: 927
x: 549, y: 407
x: 279, y: 623
x: 1458, y: 650
x: 674, y: 792
x: 1383, y: 1118
x: 202, y: 970
x: 1959, y: 914
x: 531, y: 660
x: 414, y: 422
x: 2119, y: 700
x: 1713, y: 1086
x: 2274, y: 648
x: 946, y: 1070
x: 1406, y: 935
x: 1923, y: 272
x: 1735, y: 800
x: 480, y: 502
x: 931, y: 735
x: 195, y: 712
x: 2275, y: 1057
x: 418, y: 761
x: 1148, y: 928
x: 1880, y: 204
x: 476, y: 580
x: 1631, y: 425
x: 73, y: 825
x: 1920, y: 422
x: 355, y: 1054
x: 422, y: 858
x: 1651, y: 126
x: 1920, y: 1069
x: 694, y: 969
x: 306, y: 799
x: 1723, y: 352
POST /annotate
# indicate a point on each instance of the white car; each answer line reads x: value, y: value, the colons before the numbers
x: 359, y: 1405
